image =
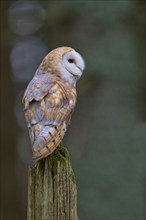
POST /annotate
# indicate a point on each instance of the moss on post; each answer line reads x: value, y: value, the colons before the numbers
x: 52, y: 193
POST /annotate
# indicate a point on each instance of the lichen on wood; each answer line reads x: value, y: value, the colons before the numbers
x: 52, y: 193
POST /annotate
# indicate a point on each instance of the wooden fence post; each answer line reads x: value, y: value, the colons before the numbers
x: 52, y: 192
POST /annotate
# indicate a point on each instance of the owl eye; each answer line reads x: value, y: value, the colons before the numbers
x: 71, y: 60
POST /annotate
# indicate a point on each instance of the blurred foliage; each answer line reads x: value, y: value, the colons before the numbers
x: 106, y: 138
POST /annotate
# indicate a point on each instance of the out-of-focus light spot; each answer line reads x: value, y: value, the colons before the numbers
x: 19, y: 113
x: 25, y: 58
x: 24, y: 148
x: 26, y: 17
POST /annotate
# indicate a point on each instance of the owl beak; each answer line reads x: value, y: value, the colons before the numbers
x: 80, y: 68
x: 77, y: 75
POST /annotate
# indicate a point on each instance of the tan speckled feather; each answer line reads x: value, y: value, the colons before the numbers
x: 50, y: 98
x: 49, y: 104
x: 50, y: 64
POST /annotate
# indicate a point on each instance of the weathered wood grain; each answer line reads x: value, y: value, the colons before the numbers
x: 52, y: 192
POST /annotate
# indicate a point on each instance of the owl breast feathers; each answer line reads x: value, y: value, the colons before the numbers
x: 50, y: 98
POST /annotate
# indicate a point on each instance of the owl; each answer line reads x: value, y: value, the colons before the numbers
x: 50, y: 98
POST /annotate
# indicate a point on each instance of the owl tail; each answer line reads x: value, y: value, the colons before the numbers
x: 47, y: 141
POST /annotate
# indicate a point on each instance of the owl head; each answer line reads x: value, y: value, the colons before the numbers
x: 64, y: 62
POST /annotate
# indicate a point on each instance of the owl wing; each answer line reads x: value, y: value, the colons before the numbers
x: 49, y: 104
x: 38, y: 87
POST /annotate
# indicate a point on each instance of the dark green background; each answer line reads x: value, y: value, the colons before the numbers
x: 106, y: 138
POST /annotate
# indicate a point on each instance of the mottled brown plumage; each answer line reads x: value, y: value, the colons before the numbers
x: 49, y: 101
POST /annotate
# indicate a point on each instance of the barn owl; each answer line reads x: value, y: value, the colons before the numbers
x: 50, y: 98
